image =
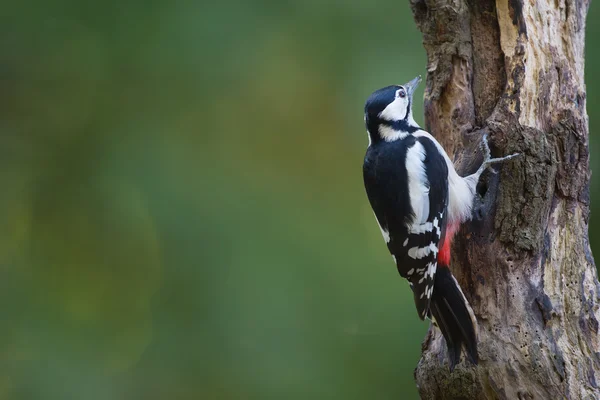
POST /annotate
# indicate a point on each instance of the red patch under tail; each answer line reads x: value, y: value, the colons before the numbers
x: 443, y: 257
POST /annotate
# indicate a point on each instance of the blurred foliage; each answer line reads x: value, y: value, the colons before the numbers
x: 183, y: 213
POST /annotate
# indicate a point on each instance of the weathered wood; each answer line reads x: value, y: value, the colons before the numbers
x: 514, y: 69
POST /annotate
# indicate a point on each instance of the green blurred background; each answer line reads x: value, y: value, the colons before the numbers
x: 182, y: 213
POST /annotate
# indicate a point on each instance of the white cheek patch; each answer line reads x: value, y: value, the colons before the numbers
x: 411, y: 120
x: 396, y: 110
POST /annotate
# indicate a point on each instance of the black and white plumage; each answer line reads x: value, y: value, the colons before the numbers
x: 409, y: 202
x: 419, y: 200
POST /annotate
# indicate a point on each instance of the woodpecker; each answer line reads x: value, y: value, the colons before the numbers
x: 419, y: 202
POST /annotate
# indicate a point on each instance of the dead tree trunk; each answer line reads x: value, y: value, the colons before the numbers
x: 514, y: 69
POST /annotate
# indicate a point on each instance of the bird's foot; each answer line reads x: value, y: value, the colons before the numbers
x: 487, y: 156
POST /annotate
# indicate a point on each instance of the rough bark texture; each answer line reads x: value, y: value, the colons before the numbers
x: 514, y: 69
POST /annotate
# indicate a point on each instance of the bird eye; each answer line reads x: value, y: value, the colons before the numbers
x: 401, y: 93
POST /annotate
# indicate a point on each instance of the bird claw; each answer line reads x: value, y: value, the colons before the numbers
x: 501, y: 159
x: 487, y: 155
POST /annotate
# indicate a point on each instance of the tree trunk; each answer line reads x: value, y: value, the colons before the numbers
x: 514, y: 70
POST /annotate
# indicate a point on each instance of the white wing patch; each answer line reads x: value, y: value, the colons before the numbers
x: 422, y: 252
x: 431, y: 268
x: 427, y: 292
x: 422, y: 228
x: 418, y: 185
x: 396, y: 110
x: 460, y: 193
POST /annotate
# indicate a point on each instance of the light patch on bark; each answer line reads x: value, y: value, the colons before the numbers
x: 508, y: 31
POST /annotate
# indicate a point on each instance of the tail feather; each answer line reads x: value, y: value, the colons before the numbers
x: 451, y: 334
x: 450, y: 311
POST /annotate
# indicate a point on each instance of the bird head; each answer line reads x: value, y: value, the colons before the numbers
x: 388, y: 112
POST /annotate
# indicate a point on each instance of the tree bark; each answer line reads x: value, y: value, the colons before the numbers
x: 514, y: 69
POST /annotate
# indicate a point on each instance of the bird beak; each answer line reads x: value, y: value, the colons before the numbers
x: 412, y: 85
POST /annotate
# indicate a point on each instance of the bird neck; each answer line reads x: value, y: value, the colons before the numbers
x: 390, y: 131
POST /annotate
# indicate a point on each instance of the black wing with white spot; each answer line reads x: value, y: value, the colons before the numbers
x: 406, y: 183
x: 425, y: 236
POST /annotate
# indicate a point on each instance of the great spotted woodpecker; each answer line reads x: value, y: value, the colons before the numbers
x: 419, y: 201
